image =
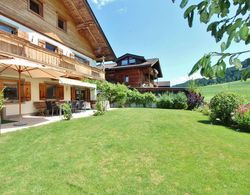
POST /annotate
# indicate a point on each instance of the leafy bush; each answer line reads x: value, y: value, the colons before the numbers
x: 194, y: 100
x: 148, y: 99
x: 180, y: 101
x: 223, y: 105
x: 100, y: 105
x: 165, y: 101
x: 242, y: 118
x: 204, y: 109
x: 172, y: 101
x: 67, y: 113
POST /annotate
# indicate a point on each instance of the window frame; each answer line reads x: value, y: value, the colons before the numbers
x: 41, y: 7
x: 127, y: 62
x: 54, y: 87
x: 15, y: 30
x: 59, y: 17
x: 56, y: 48
x: 81, y: 59
x: 126, y: 79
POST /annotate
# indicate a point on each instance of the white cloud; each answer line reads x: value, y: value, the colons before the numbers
x: 101, y: 3
x: 183, y: 79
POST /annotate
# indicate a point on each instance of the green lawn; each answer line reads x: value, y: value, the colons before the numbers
x: 127, y: 151
x: 239, y: 87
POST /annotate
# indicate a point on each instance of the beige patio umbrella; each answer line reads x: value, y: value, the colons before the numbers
x: 30, y: 69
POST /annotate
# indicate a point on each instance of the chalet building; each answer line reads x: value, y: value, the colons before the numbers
x: 60, y: 37
x: 134, y: 71
x: 139, y: 73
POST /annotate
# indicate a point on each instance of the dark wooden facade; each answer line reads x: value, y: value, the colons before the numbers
x: 137, y: 72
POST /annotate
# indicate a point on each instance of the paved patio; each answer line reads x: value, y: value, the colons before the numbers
x: 33, y: 121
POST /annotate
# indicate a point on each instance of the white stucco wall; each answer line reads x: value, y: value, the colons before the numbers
x: 28, y: 106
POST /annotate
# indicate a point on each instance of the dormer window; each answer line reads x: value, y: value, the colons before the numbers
x: 50, y: 47
x: 8, y: 29
x: 36, y: 6
x: 125, y: 62
x: 132, y: 61
x: 61, y: 23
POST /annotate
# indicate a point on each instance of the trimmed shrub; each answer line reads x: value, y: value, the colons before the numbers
x: 67, y: 113
x: 242, y: 118
x: 165, y: 101
x: 223, y: 105
x: 172, y: 101
x: 194, y: 100
x: 148, y: 99
x: 180, y: 101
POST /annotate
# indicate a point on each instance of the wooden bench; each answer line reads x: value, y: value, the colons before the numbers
x: 41, y: 107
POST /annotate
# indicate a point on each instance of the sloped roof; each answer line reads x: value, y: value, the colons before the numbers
x: 89, y: 27
x: 154, y: 62
x: 130, y: 55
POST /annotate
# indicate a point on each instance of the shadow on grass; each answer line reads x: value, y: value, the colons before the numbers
x: 233, y: 127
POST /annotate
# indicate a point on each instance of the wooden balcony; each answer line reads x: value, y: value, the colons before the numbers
x: 14, y: 46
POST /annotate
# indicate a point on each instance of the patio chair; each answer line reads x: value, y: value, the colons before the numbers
x: 73, y: 105
x: 86, y: 105
x: 52, y: 108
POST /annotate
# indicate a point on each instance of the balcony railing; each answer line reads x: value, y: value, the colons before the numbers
x: 12, y: 45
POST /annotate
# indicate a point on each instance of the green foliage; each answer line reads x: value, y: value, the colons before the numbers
x: 223, y: 105
x: 243, y: 120
x: 193, y: 86
x: 172, y: 101
x: 205, y: 110
x: 1, y: 99
x: 232, y: 24
x: 180, y: 101
x: 126, y: 151
x: 148, y: 99
x: 100, y: 105
x: 121, y: 95
x: 67, y: 113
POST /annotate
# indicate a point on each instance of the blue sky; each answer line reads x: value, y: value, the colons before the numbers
x: 156, y: 28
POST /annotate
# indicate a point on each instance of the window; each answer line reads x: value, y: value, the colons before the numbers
x: 36, y: 6
x: 126, y: 79
x: 61, y: 23
x: 51, y: 91
x: 50, y: 47
x: 124, y: 62
x: 8, y: 29
x: 10, y: 90
x: 81, y: 59
x: 132, y: 61
x: 80, y: 94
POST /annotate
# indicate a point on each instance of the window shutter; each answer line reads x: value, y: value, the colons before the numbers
x: 41, y: 43
x: 23, y: 35
x: 42, y: 91
x: 22, y: 91
x: 60, y: 92
x: 73, y: 93
x: 27, y: 91
x: 87, y: 95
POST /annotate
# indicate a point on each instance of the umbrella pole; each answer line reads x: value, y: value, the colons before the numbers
x: 19, y: 95
x: 19, y: 123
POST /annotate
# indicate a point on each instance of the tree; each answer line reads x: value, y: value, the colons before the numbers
x: 228, y: 21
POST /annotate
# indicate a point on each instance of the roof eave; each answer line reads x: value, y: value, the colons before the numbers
x: 101, y: 30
